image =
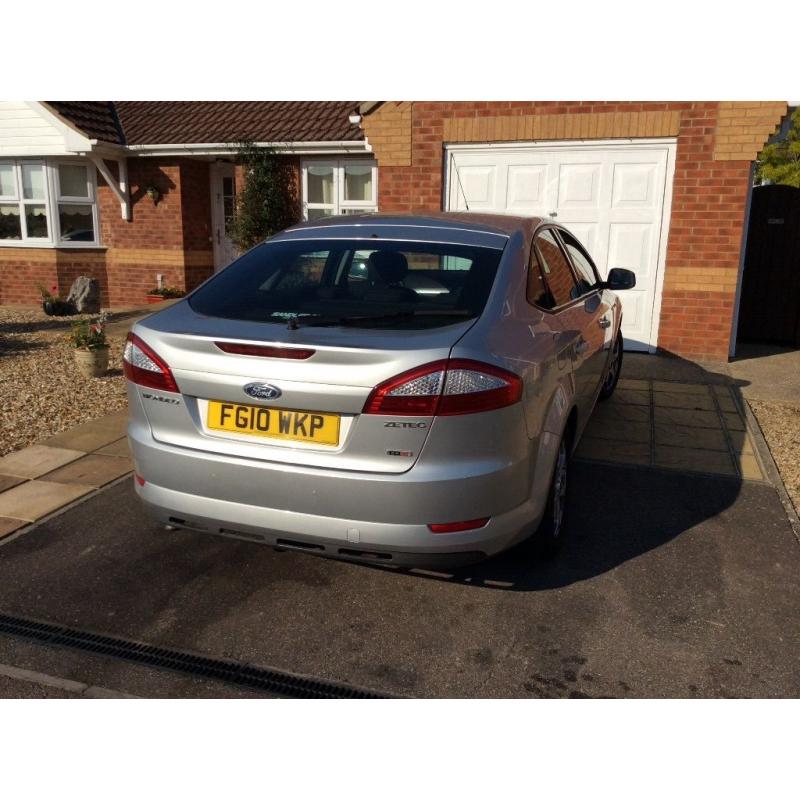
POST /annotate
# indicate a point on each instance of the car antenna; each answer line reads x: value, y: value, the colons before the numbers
x: 458, y: 178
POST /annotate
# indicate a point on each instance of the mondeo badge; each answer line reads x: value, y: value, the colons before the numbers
x: 262, y: 391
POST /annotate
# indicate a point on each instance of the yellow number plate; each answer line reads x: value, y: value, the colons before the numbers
x: 274, y: 423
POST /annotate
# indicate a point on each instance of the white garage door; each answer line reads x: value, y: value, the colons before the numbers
x: 614, y: 197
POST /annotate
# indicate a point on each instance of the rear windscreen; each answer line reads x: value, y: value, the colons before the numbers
x: 357, y: 283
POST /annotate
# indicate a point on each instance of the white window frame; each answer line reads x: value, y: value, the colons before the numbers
x: 340, y: 205
x: 59, y: 200
x: 51, y: 201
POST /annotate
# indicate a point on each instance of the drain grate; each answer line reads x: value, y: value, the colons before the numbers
x: 281, y: 684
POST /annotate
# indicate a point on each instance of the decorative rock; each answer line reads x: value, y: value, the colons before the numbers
x: 84, y: 295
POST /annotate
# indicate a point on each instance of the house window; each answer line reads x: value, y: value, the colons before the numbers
x: 47, y: 203
x: 76, y: 208
x: 339, y: 187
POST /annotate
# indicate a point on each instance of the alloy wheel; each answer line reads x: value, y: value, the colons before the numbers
x: 613, y: 368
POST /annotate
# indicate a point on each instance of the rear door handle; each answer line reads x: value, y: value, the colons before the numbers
x: 604, y: 323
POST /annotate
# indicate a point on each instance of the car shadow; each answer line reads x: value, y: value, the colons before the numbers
x: 616, y: 513
x: 619, y: 512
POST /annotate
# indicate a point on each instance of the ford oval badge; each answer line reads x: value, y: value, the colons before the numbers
x: 262, y: 391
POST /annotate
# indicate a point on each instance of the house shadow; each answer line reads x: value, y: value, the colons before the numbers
x: 13, y: 346
x: 618, y: 512
x: 60, y: 323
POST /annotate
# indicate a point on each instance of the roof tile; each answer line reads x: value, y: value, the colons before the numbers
x: 161, y: 122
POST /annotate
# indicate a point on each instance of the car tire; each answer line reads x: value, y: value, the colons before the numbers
x: 614, y: 370
x: 549, y: 536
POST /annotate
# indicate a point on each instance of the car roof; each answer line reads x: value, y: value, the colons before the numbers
x: 460, y: 226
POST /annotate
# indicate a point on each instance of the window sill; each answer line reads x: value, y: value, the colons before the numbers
x: 14, y: 245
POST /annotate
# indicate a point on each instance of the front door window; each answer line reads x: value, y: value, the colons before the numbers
x: 223, y: 213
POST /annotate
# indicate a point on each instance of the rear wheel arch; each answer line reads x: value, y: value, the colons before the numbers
x: 561, y: 419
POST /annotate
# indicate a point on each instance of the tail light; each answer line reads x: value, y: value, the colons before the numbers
x: 445, y: 388
x: 458, y: 527
x: 142, y: 365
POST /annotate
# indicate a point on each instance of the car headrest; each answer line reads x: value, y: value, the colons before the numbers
x: 387, y: 266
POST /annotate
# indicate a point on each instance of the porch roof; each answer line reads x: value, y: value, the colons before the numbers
x: 143, y: 123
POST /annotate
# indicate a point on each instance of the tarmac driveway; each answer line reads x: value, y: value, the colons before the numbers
x: 670, y: 585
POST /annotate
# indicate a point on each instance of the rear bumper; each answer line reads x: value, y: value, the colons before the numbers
x: 359, y: 516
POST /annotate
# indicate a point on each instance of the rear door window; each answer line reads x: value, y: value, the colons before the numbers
x: 557, y: 271
x: 584, y: 268
x: 537, y: 290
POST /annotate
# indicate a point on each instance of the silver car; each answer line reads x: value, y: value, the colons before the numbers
x: 396, y: 389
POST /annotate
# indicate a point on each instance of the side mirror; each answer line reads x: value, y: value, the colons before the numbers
x: 619, y: 278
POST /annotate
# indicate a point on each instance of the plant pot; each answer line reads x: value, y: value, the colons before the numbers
x: 154, y: 298
x: 47, y: 307
x: 61, y: 308
x: 92, y: 363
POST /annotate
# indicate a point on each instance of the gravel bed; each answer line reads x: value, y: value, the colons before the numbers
x: 780, y: 424
x: 41, y: 391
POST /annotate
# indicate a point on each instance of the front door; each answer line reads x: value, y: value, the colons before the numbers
x: 223, y: 208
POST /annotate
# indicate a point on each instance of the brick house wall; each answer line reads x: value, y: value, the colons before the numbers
x: 171, y: 237
x: 716, y: 143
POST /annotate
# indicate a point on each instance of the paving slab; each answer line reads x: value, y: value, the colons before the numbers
x: 634, y: 383
x: 7, y: 481
x: 688, y: 436
x: 741, y: 442
x: 728, y: 405
x: 749, y: 467
x: 618, y: 452
x: 36, y: 460
x: 92, y: 470
x: 687, y: 416
x: 9, y: 525
x: 119, y: 448
x: 618, y: 430
x: 734, y: 422
x: 693, y: 460
x: 683, y: 400
x: 609, y: 412
x: 636, y: 397
x: 677, y: 386
x: 35, y: 499
x: 93, y: 435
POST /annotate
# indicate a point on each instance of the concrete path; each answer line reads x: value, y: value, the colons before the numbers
x: 40, y: 479
x: 764, y: 372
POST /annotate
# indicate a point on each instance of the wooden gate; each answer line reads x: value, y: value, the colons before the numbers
x: 770, y: 306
